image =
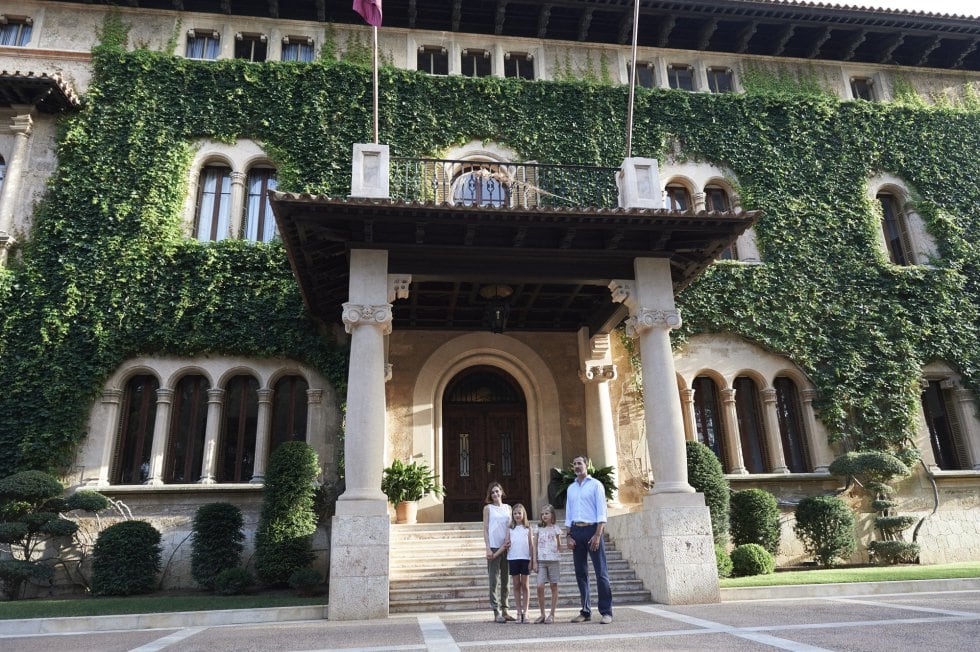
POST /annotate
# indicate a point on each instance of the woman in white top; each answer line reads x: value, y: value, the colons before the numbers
x: 496, y: 521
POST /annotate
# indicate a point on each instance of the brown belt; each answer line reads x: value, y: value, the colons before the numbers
x: 581, y: 524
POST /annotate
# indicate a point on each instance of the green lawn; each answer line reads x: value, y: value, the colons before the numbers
x: 145, y: 604
x: 869, y: 574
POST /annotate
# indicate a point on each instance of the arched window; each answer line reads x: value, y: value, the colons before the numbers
x: 707, y: 416
x: 945, y: 430
x: 750, y: 428
x: 289, y: 408
x: 895, y: 228
x: 187, y: 428
x: 677, y: 198
x: 131, y: 464
x: 791, y: 425
x: 213, y: 203
x: 716, y: 199
x: 480, y: 185
x: 260, y: 225
x: 3, y: 170
x: 241, y: 415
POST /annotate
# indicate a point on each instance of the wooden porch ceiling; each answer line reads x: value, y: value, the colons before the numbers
x: 559, y: 262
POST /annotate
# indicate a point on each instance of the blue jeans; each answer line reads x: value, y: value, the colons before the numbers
x: 580, y: 554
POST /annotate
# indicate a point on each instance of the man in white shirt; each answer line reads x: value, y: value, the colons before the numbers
x: 585, y: 518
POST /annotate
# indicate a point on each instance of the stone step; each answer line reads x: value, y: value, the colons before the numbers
x: 433, y: 578
x: 476, y: 566
x: 416, y: 604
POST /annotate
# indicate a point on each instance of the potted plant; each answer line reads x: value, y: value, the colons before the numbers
x: 561, y: 480
x: 405, y: 485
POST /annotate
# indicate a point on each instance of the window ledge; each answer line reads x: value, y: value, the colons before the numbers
x: 776, y: 477
x: 968, y: 473
x: 175, y: 488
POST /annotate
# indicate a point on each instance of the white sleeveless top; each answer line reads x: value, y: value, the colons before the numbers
x: 497, y: 524
x: 519, y: 547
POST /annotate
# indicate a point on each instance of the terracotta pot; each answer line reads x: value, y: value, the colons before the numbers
x: 406, y: 512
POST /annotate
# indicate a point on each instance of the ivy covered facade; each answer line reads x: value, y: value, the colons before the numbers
x: 121, y: 316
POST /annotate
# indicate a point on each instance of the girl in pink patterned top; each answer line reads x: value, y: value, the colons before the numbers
x: 548, y: 548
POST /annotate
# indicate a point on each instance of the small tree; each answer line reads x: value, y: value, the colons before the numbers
x: 126, y: 559
x: 282, y: 541
x: 32, y: 509
x: 825, y: 527
x: 874, y: 470
x: 217, y: 541
x: 752, y: 559
x: 705, y: 474
x: 755, y: 519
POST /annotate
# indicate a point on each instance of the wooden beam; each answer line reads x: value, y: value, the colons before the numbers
x: 967, y: 51
x: 626, y: 28
x: 544, y: 17
x: 783, y: 39
x: 413, y: 13
x: 744, y: 36
x: 457, y: 15
x: 856, y: 40
x: 707, y: 31
x: 886, y: 54
x: 583, y: 24
x: 664, y: 28
x: 273, y: 8
x: 928, y: 50
x: 822, y: 38
x: 498, y: 19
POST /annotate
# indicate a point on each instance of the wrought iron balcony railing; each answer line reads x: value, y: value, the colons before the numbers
x: 492, y: 183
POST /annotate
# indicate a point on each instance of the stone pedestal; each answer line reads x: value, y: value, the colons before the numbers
x: 359, y: 561
x: 670, y: 546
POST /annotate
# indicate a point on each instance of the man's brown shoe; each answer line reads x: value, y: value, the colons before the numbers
x: 581, y: 618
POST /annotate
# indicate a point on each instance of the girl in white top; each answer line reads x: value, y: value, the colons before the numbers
x: 548, y: 551
x: 496, y: 520
x: 520, y: 558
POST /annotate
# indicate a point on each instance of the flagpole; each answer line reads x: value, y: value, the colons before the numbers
x: 374, y: 80
x: 629, y: 108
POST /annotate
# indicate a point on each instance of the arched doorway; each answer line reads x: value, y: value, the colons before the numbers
x: 484, y: 440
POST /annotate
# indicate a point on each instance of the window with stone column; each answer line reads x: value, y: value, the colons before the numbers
x: 290, y: 405
x: 213, y: 212
x: 188, y: 424
x: 239, y: 425
x: 131, y: 463
x: 260, y: 224
x: 791, y: 429
x: 751, y: 431
x: 951, y: 417
x: 707, y: 417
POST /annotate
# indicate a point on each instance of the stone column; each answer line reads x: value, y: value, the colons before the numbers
x: 212, y: 430
x: 966, y: 410
x: 669, y: 542
x: 359, y: 532
x: 687, y: 408
x: 819, y: 447
x: 733, y: 439
x: 595, y: 372
x: 263, y: 435
x: 774, y: 442
x: 111, y: 400
x: 21, y: 127
x: 161, y: 435
x: 236, y: 218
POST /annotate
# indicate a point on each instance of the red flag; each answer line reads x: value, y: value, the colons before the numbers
x: 370, y: 10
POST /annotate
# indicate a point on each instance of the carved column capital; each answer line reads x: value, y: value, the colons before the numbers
x: 113, y: 396
x: 237, y: 178
x: 687, y: 395
x: 728, y: 395
x: 398, y: 285
x: 165, y: 396
x: 597, y: 373
x: 355, y: 315
x: 216, y: 395
x: 264, y: 395
x: 644, y: 320
x: 314, y: 396
x: 21, y: 124
x: 699, y: 201
x: 768, y: 395
x: 808, y: 395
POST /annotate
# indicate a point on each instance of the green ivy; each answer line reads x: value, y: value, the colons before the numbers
x: 108, y: 275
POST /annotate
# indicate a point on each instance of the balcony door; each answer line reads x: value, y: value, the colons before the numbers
x: 484, y: 440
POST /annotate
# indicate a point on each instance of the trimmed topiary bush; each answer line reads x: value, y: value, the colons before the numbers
x: 306, y: 581
x: 752, y: 559
x: 705, y: 474
x: 825, y: 527
x: 233, y: 581
x: 893, y: 552
x: 282, y: 541
x: 126, y: 559
x: 723, y: 561
x: 754, y: 518
x: 217, y: 542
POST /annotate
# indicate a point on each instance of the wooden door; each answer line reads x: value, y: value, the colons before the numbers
x: 484, y: 440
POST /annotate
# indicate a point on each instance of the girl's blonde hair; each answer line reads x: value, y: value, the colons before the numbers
x: 546, y: 508
x: 513, y: 509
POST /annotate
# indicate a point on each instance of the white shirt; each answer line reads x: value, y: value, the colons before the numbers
x: 519, y: 546
x: 497, y: 524
x: 585, y: 502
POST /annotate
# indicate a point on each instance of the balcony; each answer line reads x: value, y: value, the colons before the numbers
x: 502, y: 185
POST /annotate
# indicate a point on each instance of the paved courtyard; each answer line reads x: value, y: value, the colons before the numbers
x: 947, y: 621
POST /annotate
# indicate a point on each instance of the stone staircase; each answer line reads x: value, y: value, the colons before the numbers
x: 441, y: 567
